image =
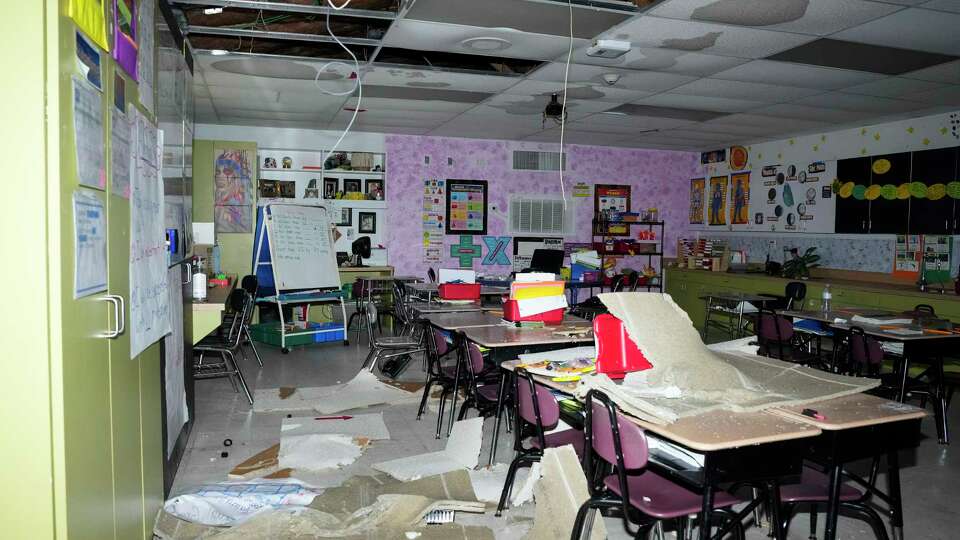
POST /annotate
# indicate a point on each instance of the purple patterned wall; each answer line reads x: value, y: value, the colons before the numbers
x: 659, y: 179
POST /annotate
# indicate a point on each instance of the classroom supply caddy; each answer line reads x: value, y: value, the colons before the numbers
x: 540, y: 301
x: 617, y: 354
x: 295, y: 264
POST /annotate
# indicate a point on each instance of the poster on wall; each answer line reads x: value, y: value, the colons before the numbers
x: 90, y: 18
x: 716, y: 212
x: 697, y: 186
x: 434, y: 216
x: 145, y: 52
x: 793, y: 197
x: 231, y: 191
x: 125, y: 35
x: 88, y: 135
x: 466, y: 207
x: 149, y: 300
x: 740, y: 199
x: 610, y: 199
x: 120, y: 147
x: 90, y: 244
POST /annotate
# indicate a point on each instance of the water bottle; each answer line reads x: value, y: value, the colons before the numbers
x: 825, y: 299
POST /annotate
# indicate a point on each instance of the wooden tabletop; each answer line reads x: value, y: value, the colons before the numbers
x: 738, y: 297
x: 852, y: 411
x: 424, y: 308
x: 933, y: 329
x: 500, y: 336
x: 216, y: 297
x: 456, y: 321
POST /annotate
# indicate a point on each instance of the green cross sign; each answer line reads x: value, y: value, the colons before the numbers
x: 466, y: 251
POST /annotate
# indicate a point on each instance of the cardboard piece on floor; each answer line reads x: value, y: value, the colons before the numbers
x: 261, y: 464
x: 318, y: 451
x: 462, y: 452
x: 559, y: 494
x: 370, y: 426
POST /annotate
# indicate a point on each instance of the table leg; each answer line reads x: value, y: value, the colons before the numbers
x: 501, y: 390
x: 776, y: 520
x: 833, y: 502
x: 706, y: 511
x: 740, y: 321
x: 456, y: 391
x: 893, y: 492
x: 905, y: 366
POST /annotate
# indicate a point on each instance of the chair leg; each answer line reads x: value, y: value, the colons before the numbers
x: 426, y: 396
x: 578, y: 523
x: 370, y: 355
x: 467, y: 404
x: 508, y: 484
x: 231, y: 374
x: 246, y: 332
x: 443, y: 401
x: 813, y: 523
x: 243, y: 383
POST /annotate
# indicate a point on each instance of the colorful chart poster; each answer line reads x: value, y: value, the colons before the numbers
x: 466, y: 207
x: 697, y: 186
x: 434, y: 216
x: 232, y: 191
x: 717, y: 211
x: 88, y: 134
x: 740, y: 199
x: 608, y: 200
x: 90, y: 246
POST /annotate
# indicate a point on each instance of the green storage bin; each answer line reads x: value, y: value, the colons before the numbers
x: 269, y: 333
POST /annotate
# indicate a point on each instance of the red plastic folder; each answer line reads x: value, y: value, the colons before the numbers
x: 617, y: 354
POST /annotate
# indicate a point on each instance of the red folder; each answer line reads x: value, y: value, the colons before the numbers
x: 617, y: 354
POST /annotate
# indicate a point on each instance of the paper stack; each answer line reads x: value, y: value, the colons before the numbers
x: 534, y: 298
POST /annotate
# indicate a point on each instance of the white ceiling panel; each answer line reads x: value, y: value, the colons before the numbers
x: 663, y: 60
x: 802, y: 112
x: 700, y: 103
x: 627, y: 123
x: 388, y: 104
x: 768, y: 93
x: 849, y: 102
x: 435, y: 36
x: 914, y: 28
x: 436, y: 79
x: 705, y: 137
x: 766, y: 121
x: 396, y: 118
x: 817, y: 17
x: 646, y: 81
x: 893, y: 87
x: 802, y: 75
x: 953, y: 6
x: 646, y: 31
x: 577, y: 91
x: 948, y: 95
x: 533, y: 106
x: 948, y: 72
x: 572, y: 136
x: 227, y: 112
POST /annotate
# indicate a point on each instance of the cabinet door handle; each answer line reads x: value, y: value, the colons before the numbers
x: 112, y: 334
x: 122, y: 314
x: 187, y: 266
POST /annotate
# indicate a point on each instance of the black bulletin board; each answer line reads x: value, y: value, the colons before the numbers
x: 466, y: 207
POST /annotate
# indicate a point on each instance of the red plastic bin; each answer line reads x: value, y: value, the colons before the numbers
x: 511, y: 312
x: 459, y: 291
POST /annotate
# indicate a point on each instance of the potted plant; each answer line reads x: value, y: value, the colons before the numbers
x: 799, y: 266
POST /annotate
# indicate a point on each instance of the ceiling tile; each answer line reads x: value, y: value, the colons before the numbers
x: 860, y: 56
x: 707, y: 138
x: 534, y: 105
x: 433, y: 36
x: 942, y: 5
x: 577, y: 91
x: 436, y: 79
x: 627, y: 123
x: 228, y: 112
x: 849, y: 102
x: 817, y: 17
x: 948, y: 95
x: 914, y: 28
x: 792, y: 110
x: 789, y: 74
x: 667, y: 112
x: 768, y: 93
x: 893, y: 87
x: 646, y: 31
x: 703, y: 103
x: 426, y: 94
x: 766, y: 121
x: 945, y: 73
x: 663, y: 60
x: 374, y: 104
x: 646, y: 81
x: 571, y: 136
x: 396, y: 130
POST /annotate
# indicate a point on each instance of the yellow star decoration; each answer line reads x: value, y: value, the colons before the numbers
x: 876, y: 136
x: 943, y: 131
x: 863, y: 151
x: 926, y: 141
x: 863, y: 131
x: 791, y: 141
x: 909, y: 130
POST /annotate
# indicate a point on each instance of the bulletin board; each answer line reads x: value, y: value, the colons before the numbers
x: 466, y: 207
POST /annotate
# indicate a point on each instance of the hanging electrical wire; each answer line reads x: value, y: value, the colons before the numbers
x: 358, y: 87
x: 563, y: 117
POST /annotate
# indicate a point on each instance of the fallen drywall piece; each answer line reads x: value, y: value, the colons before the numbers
x: 523, y: 486
x: 316, y: 452
x: 362, y: 391
x: 228, y: 503
x: 370, y: 426
x: 462, y: 452
x: 488, y: 483
x: 559, y: 493
x: 357, y: 492
x: 259, y: 465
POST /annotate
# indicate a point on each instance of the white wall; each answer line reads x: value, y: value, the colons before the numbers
x: 305, y: 139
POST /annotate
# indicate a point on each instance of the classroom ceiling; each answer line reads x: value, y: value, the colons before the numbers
x: 700, y: 74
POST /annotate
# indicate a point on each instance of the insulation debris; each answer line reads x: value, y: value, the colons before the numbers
x: 462, y: 452
x: 488, y: 483
x: 318, y: 451
x: 559, y: 493
x: 370, y: 426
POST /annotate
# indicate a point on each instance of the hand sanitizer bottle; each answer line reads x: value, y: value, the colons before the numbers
x: 826, y: 298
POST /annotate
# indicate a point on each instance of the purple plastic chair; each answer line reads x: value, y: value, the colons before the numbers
x: 813, y: 490
x: 866, y: 355
x: 480, y: 394
x: 536, y: 409
x: 614, y: 462
x: 438, y: 372
x: 777, y: 339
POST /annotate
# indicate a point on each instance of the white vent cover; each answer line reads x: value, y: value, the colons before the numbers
x: 525, y: 160
x: 539, y: 216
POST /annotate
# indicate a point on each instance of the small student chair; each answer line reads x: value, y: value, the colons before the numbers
x: 385, y: 347
x: 225, y: 343
x: 441, y: 370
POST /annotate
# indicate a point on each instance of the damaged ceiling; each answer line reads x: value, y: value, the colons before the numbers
x: 696, y: 70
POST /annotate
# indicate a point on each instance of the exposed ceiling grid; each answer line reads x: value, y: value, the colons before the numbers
x: 699, y: 74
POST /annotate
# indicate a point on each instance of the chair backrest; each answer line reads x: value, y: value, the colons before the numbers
x: 250, y: 284
x: 372, y: 314
x: 240, y: 305
x: 624, y: 445
x: 773, y: 327
x: 536, y: 406
x: 359, y: 288
x: 474, y: 359
x: 432, y: 275
x: 400, y: 303
x: 617, y: 285
x: 864, y: 350
x: 440, y: 345
x: 796, y: 292
x: 924, y: 310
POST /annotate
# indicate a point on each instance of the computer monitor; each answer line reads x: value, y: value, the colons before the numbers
x: 361, y: 249
x: 546, y: 260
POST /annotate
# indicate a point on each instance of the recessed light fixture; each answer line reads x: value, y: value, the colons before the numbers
x: 213, y: 11
x: 486, y: 44
x: 219, y: 52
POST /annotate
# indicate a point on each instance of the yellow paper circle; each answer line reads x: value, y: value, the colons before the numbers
x: 936, y: 192
x: 903, y: 191
x: 873, y: 192
x: 846, y: 190
x: 881, y: 166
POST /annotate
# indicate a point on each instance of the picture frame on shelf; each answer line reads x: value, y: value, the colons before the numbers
x: 352, y: 185
x: 346, y: 217
x: 367, y: 222
x: 330, y: 188
x: 373, y: 188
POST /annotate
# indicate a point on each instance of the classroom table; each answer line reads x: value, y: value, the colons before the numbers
x: 431, y: 289
x: 458, y: 321
x: 208, y: 313
x: 938, y: 338
x: 857, y: 427
x: 739, y: 302
x: 756, y: 447
x: 424, y: 308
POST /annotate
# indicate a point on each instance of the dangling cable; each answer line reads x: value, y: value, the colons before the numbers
x: 358, y: 87
x: 563, y: 115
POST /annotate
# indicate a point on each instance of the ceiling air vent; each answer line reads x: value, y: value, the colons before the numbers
x: 525, y: 160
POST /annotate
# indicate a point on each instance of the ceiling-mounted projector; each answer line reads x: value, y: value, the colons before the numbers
x: 608, y: 48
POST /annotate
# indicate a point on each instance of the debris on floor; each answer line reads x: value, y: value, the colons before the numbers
x: 362, y: 391
x: 561, y: 490
x: 228, y: 503
x: 488, y: 483
x: 462, y: 452
x: 370, y: 426
x: 265, y: 464
x: 319, y: 451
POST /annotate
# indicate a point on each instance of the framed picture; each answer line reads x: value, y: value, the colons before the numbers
x: 346, y: 217
x: 374, y: 189
x: 609, y: 199
x: 367, y: 222
x: 329, y: 188
x: 351, y: 185
x: 466, y: 207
